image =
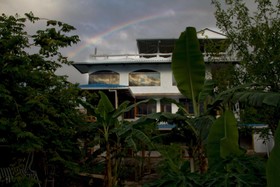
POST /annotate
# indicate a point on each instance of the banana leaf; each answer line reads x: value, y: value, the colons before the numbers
x: 104, y: 106
x: 188, y: 64
x: 229, y: 143
x: 223, y: 139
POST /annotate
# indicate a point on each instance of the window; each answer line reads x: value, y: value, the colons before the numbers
x: 146, y: 108
x: 144, y: 78
x: 130, y: 114
x: 165, y: 107
x: 104, y: 77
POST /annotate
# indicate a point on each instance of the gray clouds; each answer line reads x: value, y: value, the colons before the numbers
x: 112, y: 26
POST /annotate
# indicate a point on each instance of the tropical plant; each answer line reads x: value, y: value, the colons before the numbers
x: 223, y: 139
x: 188, y: 68
x: 252, y: 95
x: 115, y: 135
x: 240, y: 170
x: 173, y: 169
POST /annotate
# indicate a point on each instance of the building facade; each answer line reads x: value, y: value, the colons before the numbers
x: 148, y: 74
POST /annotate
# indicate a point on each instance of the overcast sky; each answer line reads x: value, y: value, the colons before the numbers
x: 112, y: 26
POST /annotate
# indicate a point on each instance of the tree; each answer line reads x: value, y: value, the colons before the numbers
x: 254, y: 36
x: 38, y: 108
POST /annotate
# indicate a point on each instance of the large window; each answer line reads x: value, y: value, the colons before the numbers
x: 104, y: 77
x: 144, y: 78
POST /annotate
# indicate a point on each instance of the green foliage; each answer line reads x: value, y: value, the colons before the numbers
x: 256, y: 96
x: 189, y: 72
x: 272, y: 168
x: 254, y: 35
x: 173, y: 169
x: 23, y: 181
x: 188, y: 65
x: 223, y: 139
x: 115, y: 136
x: 38, y: 108
x: 236, y: 171
x: 224, y: 75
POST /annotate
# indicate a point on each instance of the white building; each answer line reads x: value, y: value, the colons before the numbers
x: 146, y: 74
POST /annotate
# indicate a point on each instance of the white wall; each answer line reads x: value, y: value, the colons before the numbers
x: 124, y: 70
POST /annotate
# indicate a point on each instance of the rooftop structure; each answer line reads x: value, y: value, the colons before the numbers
x: 159, y: 51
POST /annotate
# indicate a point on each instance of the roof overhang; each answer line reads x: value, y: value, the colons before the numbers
x: 82, y: 67
x: 123, y: 92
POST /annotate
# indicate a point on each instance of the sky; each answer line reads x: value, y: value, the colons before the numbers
x: 112, y: 26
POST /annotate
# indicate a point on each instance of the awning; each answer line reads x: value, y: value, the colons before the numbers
x: 113, y: 91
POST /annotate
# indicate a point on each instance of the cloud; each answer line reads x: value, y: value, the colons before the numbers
x: 112, y: 26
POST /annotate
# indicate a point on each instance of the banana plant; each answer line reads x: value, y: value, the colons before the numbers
x: 115, y: 134
x: 255, y: 95
x: 188, y: 68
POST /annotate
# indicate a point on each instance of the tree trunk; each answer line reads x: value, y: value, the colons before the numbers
x: 202, y: 159
x: 191, y: 157
x: 108, y: 176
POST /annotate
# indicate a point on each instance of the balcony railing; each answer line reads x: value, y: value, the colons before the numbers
x: 207, y: 56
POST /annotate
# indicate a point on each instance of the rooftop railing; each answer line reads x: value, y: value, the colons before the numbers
x: 148, y: 56
x: 140, y: 55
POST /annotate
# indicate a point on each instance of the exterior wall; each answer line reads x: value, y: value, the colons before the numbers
x: 166, y: 88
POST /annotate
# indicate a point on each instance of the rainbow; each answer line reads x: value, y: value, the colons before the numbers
x: 114, y: 29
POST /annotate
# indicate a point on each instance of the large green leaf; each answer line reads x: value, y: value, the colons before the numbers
x: 251, y: 94
x: 104, y: 106
x: 273, y: 163
x: 229, y: 143
x: 213, y: 145
x: 223, y: 138
x: 188, y: 65
x: 207, y: 91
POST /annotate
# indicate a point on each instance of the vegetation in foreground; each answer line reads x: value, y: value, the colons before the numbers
x: 38, y: 112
